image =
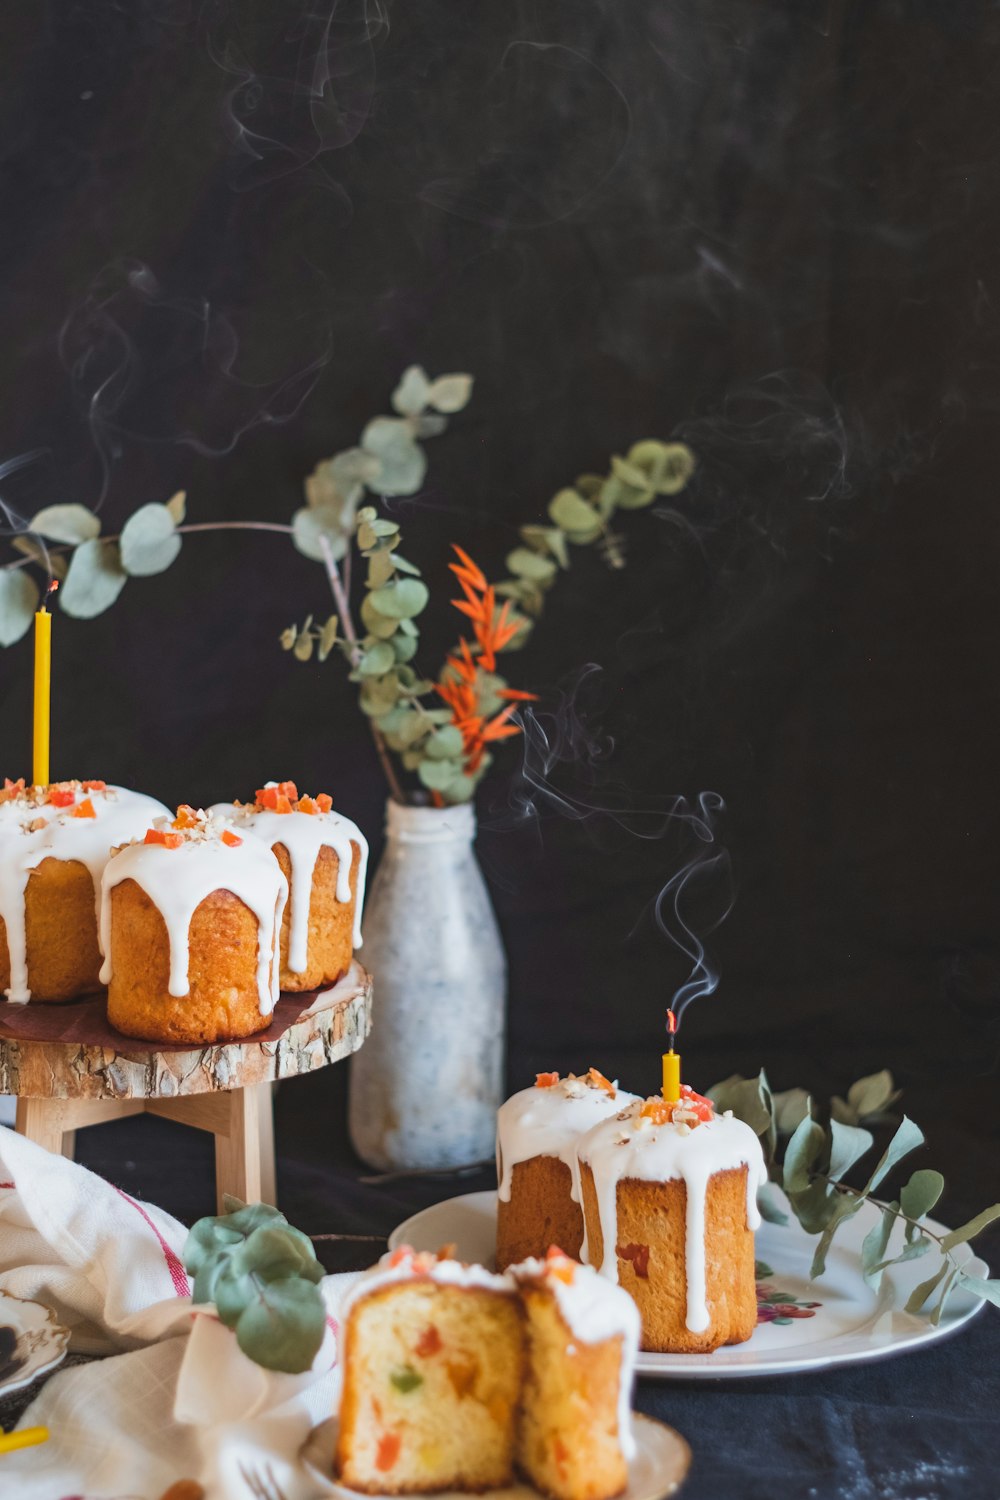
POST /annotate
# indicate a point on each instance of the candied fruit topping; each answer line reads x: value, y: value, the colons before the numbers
x: 559, y: 1265
x: 62, y: 795
x: 324, y: 802
x: 84, y: 809
x: 186, y: 817
x: 95, y: 786
x: 307, y: 805
x: 596, y: 1080
x: 657, y: 1110
x: 546, y: 1080
x: 232, y: 839
x: 278, y: 797
x: 165, y: 837
x: 12, y: 789
x: 702, y: 1107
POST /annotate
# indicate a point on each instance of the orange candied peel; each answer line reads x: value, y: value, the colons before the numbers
x: 165, y: 837
x: 95, y: 786
x: 324, y: 802
x: 11, y: 789
x: 560, y: 1265
x: 658, y: 1110
x: 186, y: 817
x: 307, y: 805
x: 277, y: 798
x: 546, y: 1080
x: 84, y: 809
x: 232, y: 839
x: 61, y: 794
x: 662, y: 1111
x: 596, y: 1080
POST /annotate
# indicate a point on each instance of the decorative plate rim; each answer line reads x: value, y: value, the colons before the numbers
x: 58, y: 1344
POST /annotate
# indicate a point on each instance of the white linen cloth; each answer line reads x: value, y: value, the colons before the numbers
x: 178, y: 1400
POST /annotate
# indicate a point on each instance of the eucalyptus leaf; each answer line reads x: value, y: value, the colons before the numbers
x: 19, y: 598
x: 913, y: 1251
x: 328, y: 637
x: 573, y: 514
x: 311, y: 523
x: 404, y: 646
x: 981, y: 1286
x: 412, y: 393
x: 846, y: 1207
x: 531, y: 565
x: 946, y: 1287
x: 920, y: 1293
x: 177, y: 506
x: 283, y: 1327
x: 375, y: 623
x: 402, y: 599
x: 449, y: 393
x: 381, y: 568
x: 801, y: 1155
x: 768, y: 1205
x: 969, y: 1231
x: 874, y: 1245
x: 149, y: 541
x: 377, y: 661
x: 303, y: 648
x: 848, y: 1144
x: 790, y: 1109
x: 429, y: 424
x: 668, y: 466
x: 405, y: 567
x: 402, y: 462
x: 445, y: 743
x: 462, y: 788
x: 921, y: 1193
x: 94, y: 581
x: 71, y: 524
x: 906, y: 1139
x: 437, y: 775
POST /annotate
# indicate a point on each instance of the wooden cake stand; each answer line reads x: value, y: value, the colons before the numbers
x: 69, y: 1068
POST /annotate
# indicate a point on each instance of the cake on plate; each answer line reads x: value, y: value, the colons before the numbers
x: 432, y: 1354
x: 324, y: 858
x: 455, y: 1378
x: 190, y: 920
x: 670, y: 1208
x: 539, y: 1190
x: 55, y: 841
x: 575, y: 1433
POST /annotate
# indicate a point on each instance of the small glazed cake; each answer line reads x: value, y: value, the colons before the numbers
x: 575, y: 1436
x: 432, y: 1354
x: 324, y: 858
x: 189, y: 931
x: 539, y: 1189
x: 670, y: 1205
x: 54, y: 844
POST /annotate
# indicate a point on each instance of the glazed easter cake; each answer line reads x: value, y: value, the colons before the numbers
x: 324, y: 858
x: 670, y: 1207
x: 190, y: 921
x: 455, y: 1377
x: 539, y: 1187
x: 55, y: 842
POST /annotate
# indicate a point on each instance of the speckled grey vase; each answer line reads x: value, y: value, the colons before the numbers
x: 425, y: 1087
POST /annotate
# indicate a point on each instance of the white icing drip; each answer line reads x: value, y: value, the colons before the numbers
x: 304, y: 835
x: 120, y: 815
x: 594, y: 1310
x: 549, y: 1122
x: 635, y: 1148
x: 178, y: 880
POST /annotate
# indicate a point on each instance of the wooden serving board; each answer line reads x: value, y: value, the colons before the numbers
x: 70, y: 1051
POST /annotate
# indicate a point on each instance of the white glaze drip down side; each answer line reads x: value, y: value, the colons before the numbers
x: 119, y: 815
x: 595, y: 1310
x: 304, y: 835
x: 550, y: 1122
x: 178, y: 880
x: 623, y: 1148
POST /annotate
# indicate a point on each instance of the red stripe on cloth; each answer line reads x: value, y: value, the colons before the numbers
x: 178, y: 1275
x: 6, y: 1184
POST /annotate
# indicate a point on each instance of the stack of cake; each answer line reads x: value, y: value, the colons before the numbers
x: 194, y: 923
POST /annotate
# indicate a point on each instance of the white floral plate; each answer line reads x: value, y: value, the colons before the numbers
x: 662, y: 1459
x: 31, y: 1342
x: 805, y: 1325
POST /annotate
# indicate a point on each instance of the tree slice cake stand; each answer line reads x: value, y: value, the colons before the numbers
x: 69, y: 1068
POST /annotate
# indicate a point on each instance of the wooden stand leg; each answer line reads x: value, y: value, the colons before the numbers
x: 237, y: 1153
x: 41, y: 1121
x: 265, y: 1116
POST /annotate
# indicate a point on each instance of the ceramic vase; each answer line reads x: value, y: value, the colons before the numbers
x: 425, y: 1087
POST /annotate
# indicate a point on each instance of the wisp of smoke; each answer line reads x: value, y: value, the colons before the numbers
x: 709, y: 870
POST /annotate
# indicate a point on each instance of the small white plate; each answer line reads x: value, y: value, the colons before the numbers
x: 836, y: 1320
x: 31, y: 1342
x: 661, y: 1461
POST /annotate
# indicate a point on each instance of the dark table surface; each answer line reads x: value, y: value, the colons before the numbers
x: 923, y: 1426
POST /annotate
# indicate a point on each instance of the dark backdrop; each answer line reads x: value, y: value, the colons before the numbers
x: 768, y: 229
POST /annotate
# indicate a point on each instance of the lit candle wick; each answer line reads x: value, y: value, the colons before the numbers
x: 671, y: 1063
